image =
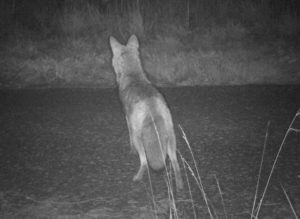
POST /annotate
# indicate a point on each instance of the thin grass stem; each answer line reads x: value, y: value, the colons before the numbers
x: 198, y: 175
x: 151, y: 190
x: 171, y: 195
x: 221, y: 194
x: 289, y: 201
x: 260, y: 169
x: 189, y: 186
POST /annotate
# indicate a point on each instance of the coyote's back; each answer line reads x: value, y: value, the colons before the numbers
x: 148, y: 118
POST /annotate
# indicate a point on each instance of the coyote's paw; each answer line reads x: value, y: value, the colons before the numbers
x: 140, y: 173
x: 137, y: 177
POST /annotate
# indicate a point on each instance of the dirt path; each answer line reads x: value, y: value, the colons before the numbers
x: 65, y: 153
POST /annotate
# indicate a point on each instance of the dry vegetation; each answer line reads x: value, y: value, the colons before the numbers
x: 64, y: 43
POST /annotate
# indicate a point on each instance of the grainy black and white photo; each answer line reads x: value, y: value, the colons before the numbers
x: 150, y: 109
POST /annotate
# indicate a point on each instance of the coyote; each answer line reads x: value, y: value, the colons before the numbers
x: 148, y: 117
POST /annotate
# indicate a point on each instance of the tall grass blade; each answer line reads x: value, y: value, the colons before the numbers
x: 151, y: 190
x: 221, y: 194
x: 290, y: 203
x: 260, y: 168
x: 171, y: 196
x: 189, y: 186
x: 198, y: 178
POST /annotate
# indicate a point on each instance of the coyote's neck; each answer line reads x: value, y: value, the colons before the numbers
x: 133, y: 78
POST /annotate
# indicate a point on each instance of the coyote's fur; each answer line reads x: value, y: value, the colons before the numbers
x: 148, y: 117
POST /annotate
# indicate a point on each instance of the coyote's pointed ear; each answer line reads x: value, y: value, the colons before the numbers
x: 133, y: 42
x: 115, y: 45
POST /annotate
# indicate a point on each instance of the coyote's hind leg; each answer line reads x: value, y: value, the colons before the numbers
x: 132, y: 148
x: 138, y: 144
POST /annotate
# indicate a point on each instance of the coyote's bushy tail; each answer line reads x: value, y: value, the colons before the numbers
x: 155, y: 140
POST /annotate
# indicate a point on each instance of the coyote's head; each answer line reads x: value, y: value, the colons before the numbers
x: 126, y: 58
